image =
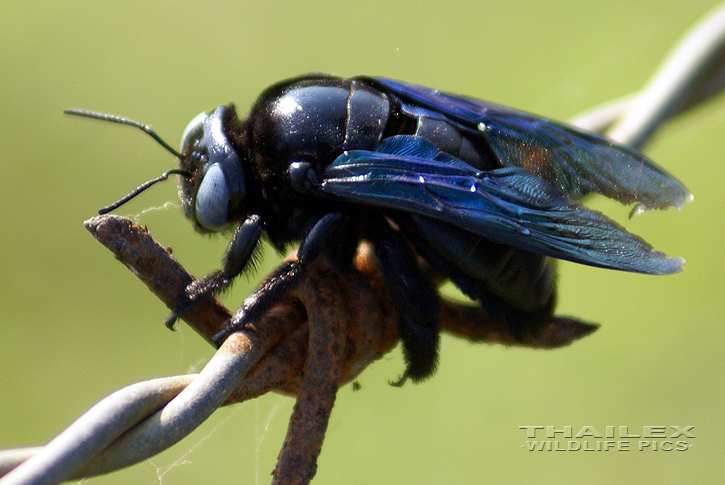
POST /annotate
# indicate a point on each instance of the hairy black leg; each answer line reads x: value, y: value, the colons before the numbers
x: 514, y: 287
x: 236, y: 259
x: 286, y: 277
x: 416, y: 300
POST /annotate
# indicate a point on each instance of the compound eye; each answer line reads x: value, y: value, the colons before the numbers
x: 212, y: 199
x: 194, y: 130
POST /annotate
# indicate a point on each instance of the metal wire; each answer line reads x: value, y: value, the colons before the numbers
x: 138, y: 421
x: 143, y: 419
x: 94, y: 431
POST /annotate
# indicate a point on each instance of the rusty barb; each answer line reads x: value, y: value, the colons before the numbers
x: 318, y: 338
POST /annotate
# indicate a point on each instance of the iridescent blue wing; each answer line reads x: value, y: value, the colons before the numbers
x: 508, y: 205
x: 573, y: 160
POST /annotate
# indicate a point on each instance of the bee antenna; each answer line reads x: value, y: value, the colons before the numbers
x: 123, y: 121
x: 143, y: 187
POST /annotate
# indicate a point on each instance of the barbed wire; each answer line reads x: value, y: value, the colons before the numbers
x: 325, y: 332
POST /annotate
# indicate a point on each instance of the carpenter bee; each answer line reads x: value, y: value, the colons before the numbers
x: 485, y: 194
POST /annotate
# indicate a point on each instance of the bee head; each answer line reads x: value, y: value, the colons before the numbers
x: 211, y: 182
x: 216, y: 188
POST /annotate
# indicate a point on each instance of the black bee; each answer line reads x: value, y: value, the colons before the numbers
x: 484, y: 193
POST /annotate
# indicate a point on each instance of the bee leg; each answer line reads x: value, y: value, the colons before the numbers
x: 236, y: 259
x: 417, y: 303
x: 286, y: 277
x: 515, y: 288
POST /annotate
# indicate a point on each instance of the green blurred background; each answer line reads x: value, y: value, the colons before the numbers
x: 76, y: 325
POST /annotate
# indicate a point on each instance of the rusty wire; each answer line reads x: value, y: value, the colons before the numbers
x: 325, y: 332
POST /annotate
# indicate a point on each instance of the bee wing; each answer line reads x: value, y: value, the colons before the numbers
x: 508, y: 205
x: 573, y: 160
